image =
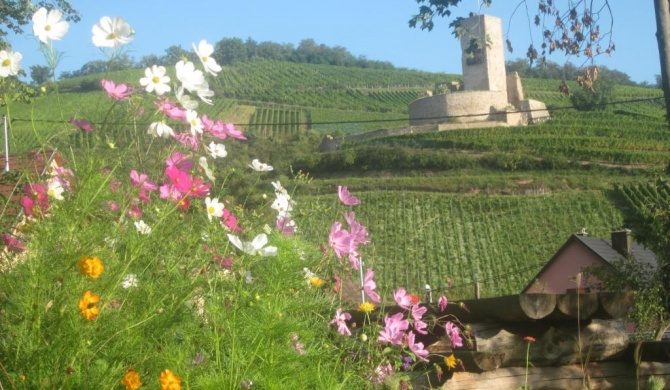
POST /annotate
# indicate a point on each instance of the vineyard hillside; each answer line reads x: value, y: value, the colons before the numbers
x: 451, y: 209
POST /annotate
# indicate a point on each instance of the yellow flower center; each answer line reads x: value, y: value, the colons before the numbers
x: 112, y: 36
x: 6, y: 62
x: 47, y: 27
x: 194, y: 122
x: 211, y: 210
x: 204, y: 58
x: 156, y: 80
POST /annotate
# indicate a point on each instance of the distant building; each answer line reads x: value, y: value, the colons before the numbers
x: 487, y: 93
x: 581, y: 251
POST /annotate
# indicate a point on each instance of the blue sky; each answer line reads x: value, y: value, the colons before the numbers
x: 376, y: 29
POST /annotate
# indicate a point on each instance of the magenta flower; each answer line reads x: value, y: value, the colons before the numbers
x: 82, y: 124
x: 369, y: 286
x: 181, y: 180
x: 442, y: 303
x: 454, y: 334
x: 179, y: 161
x: 394, y: 329
x: 346, y: 197
x: 187, y: 139
x: 199, y: 188
x: 416, y: 348
x: 402, y: 299
x: 117, y: 92
x: 36, y: 200
x: 339, y: 320
x: 13, y: 244
x: 230, y: 221
x: 232, y: 132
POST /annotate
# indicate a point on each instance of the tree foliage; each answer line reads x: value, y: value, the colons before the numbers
x: 575, y: 30
x: 40, y: 74
x: 14, y: 14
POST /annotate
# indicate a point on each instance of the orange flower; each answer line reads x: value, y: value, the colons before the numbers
x: 88, y: 305
x: 170, y: 381
x: 91, y: 266
x: 315, y: 281
x: 131, y: 380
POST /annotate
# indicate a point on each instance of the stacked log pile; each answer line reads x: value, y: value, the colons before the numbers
x: 576, y: 341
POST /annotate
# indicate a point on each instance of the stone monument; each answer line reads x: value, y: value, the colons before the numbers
x: 488, y: 93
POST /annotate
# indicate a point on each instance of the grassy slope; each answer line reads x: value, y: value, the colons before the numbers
x: 422, y: 232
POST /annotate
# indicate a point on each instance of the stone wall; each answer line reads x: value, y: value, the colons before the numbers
x: 467, y: 106
x: 484, y: 70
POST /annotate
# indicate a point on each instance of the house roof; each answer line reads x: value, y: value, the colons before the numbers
x: 601, y: 247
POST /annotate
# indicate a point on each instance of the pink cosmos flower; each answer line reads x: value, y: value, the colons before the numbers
x: 416, y: 348
x: 369, y: 286
x: 442, y: 303
x: 394, y: 329
x: 381, y: 372
x: 171, y: 109
x: 13, y: 244
x: 36, y: 200
x: 117, y: 92
x: 354, y: 260
x: 82, y: 124
x: 232, y: 132
x: 339, y: 320
x: 141, y: 181
x: 170, y: 192
x: 187, y: 139
x: 339, y: 240
x: 285, y: 225
x: 454, y: 334
x: 112, y: 205
x: 417, y: 314
x: 402, y: 298
x: 346, y: 198
x: 135, y: 212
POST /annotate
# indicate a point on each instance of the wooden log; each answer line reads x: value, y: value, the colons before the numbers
x: 605, y: 375
x: 555, y: 344
x: 614, y: 304
x: 522, y: 307
x: 576, y: 305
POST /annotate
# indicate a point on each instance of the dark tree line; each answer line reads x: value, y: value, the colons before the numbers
x: 229, y: 51
x: 567, y: 71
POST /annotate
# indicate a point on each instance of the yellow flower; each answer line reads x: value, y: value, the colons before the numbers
x: 91, y: 266
x: 131, y: 380
x: 88, y: 305
x: 170, y: 381
x: 366, y: 307
x: 316, y: 281
x: 450, y: 361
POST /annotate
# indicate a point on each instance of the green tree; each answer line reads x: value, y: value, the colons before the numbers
x: 14, y: 14
x: 230, y: 50
x: 40, y: 74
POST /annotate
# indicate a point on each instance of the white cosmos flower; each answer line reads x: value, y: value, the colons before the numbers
x: 55, y: 188
x: 160, y: 129
x: 214, y: 208
x: 259, y: 166
x: 283, y: 204
x: 112, y: 32
x: 204, y: 51
x: 10, y: 63
x: 185, y: 100
x: 142, y: 227
x: 193, y: 80
x: 202, y: 161
x: 47, y: 25
x: 155, y: 80
x: 129, y: 281
x: 217, y: 150
x: 195, y: 122
x: 256, y: 247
